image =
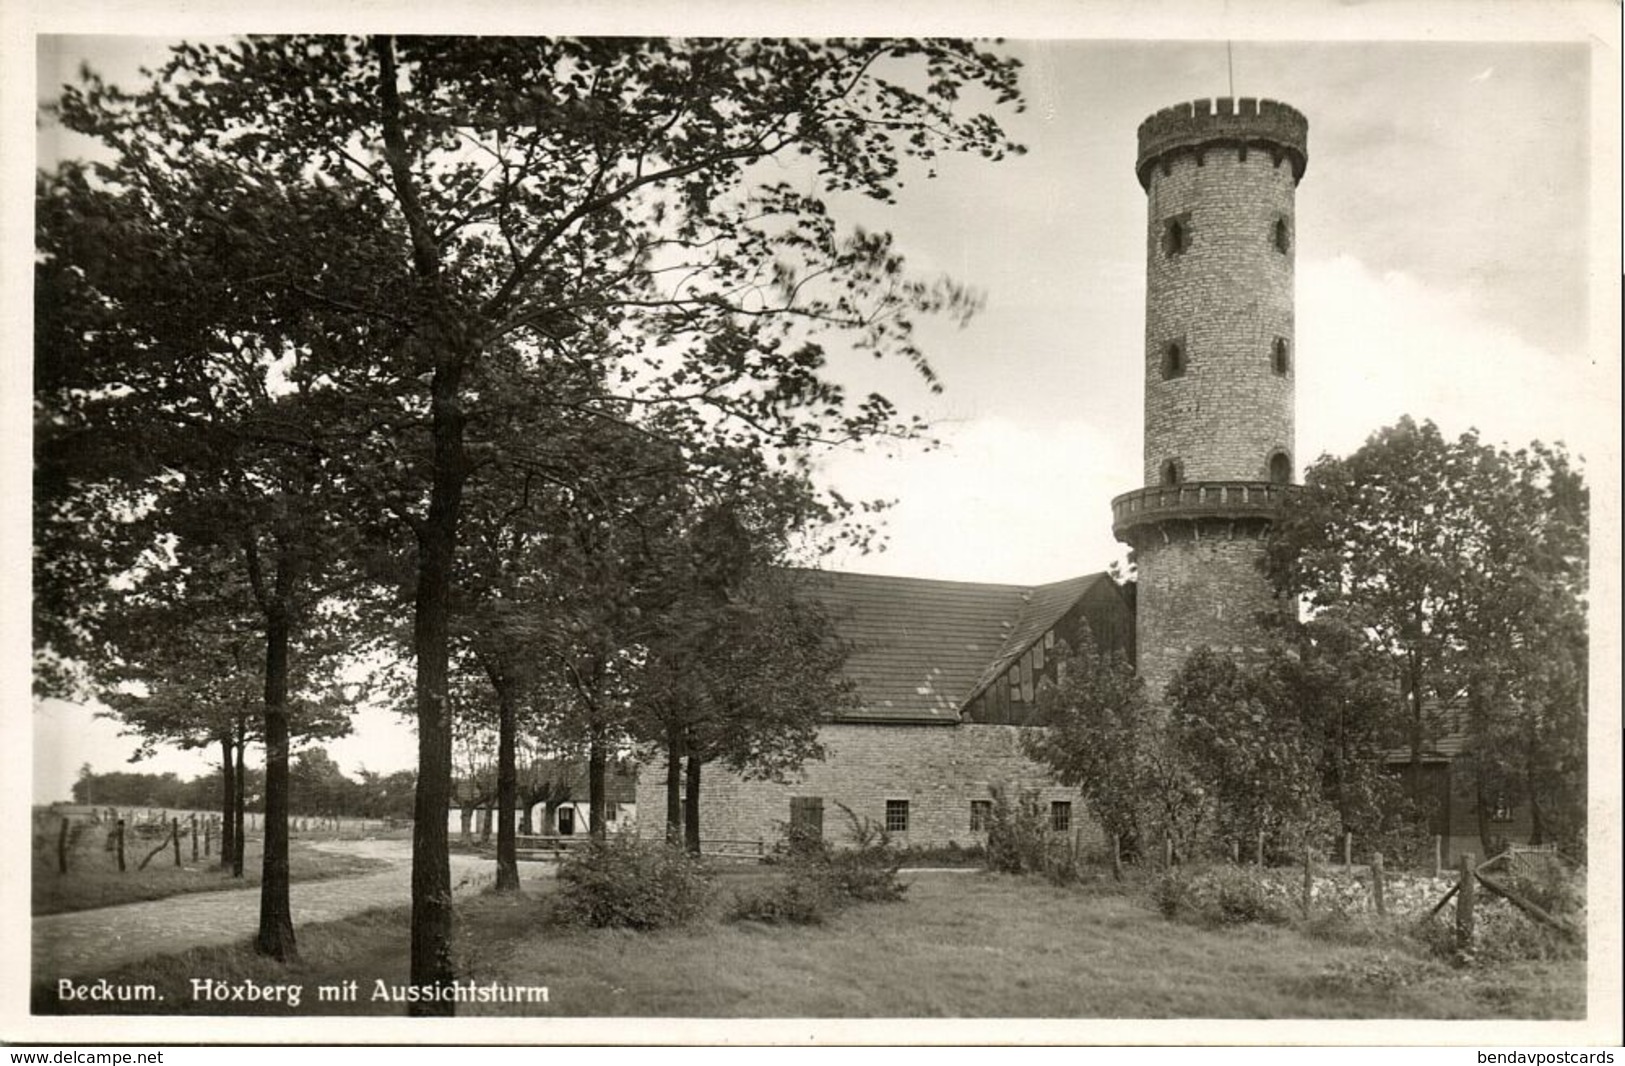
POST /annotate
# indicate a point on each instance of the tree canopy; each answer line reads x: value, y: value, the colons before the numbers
x: 460, y: 250
x: 1465, y: 566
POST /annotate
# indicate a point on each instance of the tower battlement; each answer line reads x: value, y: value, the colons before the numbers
x: 1243, y: 123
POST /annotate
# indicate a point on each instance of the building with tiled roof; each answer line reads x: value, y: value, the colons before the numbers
x: 946, y: 674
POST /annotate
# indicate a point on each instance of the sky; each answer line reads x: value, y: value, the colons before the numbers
x: 1454, y: 262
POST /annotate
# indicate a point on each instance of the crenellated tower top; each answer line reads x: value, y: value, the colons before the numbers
x: 1199, y: 125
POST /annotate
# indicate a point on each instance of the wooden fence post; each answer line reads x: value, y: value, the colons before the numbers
x: 193, y: 819
x: 1348, y: 852
x: 1308, y: 878
x: 1117, y: 856
x: 175, y: 838
x: 208, y: 833
x: 1261, y: 848
x: 1377, y: 884
x: 62, y: 848
x: 1168, y: 850
x: 1235, y: 852
x: 1464, y: 902
x: 1438, y: 855
x: 118, y: 835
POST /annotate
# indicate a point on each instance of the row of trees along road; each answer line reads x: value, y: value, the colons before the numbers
x: 1444, y: 586
x: 346, y: 325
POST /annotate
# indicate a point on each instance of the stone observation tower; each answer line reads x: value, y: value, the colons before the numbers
x: 1220, y: 178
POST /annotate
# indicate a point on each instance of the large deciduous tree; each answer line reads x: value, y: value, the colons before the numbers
x: 453, y: 214
x: 174, y: 463
x: 1465, y: 565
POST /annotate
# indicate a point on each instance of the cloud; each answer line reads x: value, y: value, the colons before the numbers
x: 1375, y: 346
x: 1003, y: 501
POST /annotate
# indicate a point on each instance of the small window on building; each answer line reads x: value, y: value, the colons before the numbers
x: 1281, y: 468
x: 1176, y: 235
x: 1281, y: 357
x: 1173, y: 360
x: 1173, y: 471
x: 981, y: 812
x: 1060, y: 816
x: 1282, y: 236
x: 897, y: 816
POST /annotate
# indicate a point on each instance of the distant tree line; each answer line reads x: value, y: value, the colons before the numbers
x: 320, y: 788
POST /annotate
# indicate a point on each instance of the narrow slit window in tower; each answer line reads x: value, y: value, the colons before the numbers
x: 1173, y: 471
x: 1176, y: 235
x: 1283, y: 236
x: 1282, y: 357
x: 1281, y: 468
x: 1173, y: 360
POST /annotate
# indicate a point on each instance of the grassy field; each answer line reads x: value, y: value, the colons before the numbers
x: 960, y: 945
x: 93, y: 878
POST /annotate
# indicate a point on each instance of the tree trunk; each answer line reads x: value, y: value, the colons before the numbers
x: 527, y: 824
x: 596, y: 805
x: 432, y: 968
x: 432, y: 915
x: 239, y: 802
x: 228, y: 803
x: 1481, y: 805
x: 485, y: 825
x: 507, y: 794
x: 1414, y: 694
x: 1537, y: 825
x: 674, y: 787
x: 276, y: 937
x: 466, y: 822
x: 691, y: 807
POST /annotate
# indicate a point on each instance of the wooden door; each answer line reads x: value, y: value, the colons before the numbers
x: 807, y: 816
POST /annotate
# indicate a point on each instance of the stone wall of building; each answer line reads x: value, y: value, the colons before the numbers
x: 938, y: 769
x: 1225, y: 301
x: 1202, y: 587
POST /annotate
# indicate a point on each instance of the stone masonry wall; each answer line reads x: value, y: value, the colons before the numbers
x: 1226, y: 299
x: 938, y: 769
x: 1202, y: 587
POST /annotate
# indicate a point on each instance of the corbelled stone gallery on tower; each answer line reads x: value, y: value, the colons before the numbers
x: 946, y: 671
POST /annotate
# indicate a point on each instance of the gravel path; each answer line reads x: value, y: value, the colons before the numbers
x: 95, y: 941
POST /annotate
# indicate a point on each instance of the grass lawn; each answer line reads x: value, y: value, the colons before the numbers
x: 960, y: 945
x: 93, y: 878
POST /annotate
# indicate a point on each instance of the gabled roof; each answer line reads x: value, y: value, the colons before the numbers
x: 920, y: 649
x: 1043, y: 607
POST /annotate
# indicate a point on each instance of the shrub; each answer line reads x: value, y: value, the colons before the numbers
x: 1546, y: 883
x: 1017, y: 834
x: 820, y: 879
x: 626, y: 883
x: 1168, y: 892
x: 1221, y: 895
x: 867, y: 871
x: 793, y: 901
x: 1502, y: 933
